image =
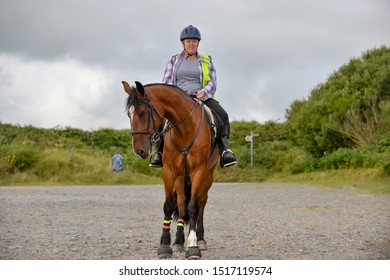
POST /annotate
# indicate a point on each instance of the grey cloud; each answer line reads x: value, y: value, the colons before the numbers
x: 267, y: 53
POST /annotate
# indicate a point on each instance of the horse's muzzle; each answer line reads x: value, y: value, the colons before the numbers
x: 142, y: 154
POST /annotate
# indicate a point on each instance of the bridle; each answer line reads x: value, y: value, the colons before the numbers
x: 151, y: 117
x: 159, y: 131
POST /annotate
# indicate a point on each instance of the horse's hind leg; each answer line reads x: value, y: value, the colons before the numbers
x: 165, y: 250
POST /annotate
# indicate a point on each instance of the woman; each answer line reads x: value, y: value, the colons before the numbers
x: 195, y: 74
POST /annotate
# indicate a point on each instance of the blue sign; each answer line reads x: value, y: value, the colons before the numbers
x: 117, y: 163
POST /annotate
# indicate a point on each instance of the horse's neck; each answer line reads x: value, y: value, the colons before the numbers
x: 178, y: 111
x: 177, y: 108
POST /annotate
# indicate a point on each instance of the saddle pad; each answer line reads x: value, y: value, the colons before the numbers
x: 213, y: 122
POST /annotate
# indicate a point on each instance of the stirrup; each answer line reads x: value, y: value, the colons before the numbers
x: 156, y: 160
x: 229, y: 160
x: 156, y: 156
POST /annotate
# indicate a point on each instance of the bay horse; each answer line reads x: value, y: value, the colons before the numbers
x: 189, y: 158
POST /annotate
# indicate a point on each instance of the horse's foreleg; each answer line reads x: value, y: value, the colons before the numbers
x: 168, y: 211
x: 193, y: 251
x: 178, y: 246
x: 207, y: 182
x: 200, y: 229
x: 165, y: 250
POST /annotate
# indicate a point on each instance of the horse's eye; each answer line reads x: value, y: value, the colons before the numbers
x: 142, y: 114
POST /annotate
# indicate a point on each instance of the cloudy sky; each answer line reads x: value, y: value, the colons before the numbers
x: 62, y: 61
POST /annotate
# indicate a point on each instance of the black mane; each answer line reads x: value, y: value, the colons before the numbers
x: 131, y: 99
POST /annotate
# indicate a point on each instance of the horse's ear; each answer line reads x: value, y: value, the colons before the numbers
x: 140, y: 88
x: 127, y: 87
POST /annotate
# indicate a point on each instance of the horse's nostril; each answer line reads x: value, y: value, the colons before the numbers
x: 142, y: 154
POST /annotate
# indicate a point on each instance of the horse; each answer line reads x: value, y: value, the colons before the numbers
x: 189, y: 158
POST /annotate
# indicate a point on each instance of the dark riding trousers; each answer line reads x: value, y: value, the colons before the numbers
x: 214, y: 105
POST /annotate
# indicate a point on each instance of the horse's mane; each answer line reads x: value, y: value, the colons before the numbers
x: 132, y: 98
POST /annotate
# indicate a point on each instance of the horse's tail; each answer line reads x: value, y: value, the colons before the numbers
x: 187, y: 191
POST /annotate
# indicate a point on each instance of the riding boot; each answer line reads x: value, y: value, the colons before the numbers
x: 156, y: 151
x: 227, y: 157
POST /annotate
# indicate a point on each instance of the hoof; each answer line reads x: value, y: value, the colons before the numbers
x: 202, y: 245
x: 193, y: 253
x: 178, y: 248
x: 165, y: 252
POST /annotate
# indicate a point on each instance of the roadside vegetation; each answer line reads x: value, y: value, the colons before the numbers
x: 338, y: 136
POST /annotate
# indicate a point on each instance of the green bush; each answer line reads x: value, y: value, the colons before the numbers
x: 350, y: 110
x: 343, y: 158
x: 17, y: 158
x: 386, y: 168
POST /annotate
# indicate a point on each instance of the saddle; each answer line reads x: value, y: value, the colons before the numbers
x: 213, y: 120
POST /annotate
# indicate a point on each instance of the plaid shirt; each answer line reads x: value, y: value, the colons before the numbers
x: 173, y: 64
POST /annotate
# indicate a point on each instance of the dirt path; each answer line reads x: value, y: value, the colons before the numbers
x: 242, y: 221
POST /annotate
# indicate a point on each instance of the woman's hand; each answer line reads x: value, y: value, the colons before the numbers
x: 200, y: 95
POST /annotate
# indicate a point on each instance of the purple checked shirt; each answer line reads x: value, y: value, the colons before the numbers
x: 170, y: 74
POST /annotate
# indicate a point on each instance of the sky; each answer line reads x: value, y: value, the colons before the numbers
x: 62, y: 61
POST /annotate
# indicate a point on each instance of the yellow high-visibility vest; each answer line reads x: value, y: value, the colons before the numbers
x: 205, y: 60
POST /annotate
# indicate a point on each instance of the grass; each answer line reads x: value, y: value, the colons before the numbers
x: 33, y: 156
x: 365, y: 180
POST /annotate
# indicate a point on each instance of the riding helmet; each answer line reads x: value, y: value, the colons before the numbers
x: 190, y: 32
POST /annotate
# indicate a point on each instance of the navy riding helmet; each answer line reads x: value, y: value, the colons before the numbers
x: 190, y: 32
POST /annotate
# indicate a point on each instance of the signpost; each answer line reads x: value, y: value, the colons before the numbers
x: 249, y: 138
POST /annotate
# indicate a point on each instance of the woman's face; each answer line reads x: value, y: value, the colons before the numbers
x: 191, y: 45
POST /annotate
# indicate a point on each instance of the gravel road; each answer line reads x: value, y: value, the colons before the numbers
x: 242, y: 221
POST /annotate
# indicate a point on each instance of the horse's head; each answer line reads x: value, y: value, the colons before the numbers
x: 143, y: 121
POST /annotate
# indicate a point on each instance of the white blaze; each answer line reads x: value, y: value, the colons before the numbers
x: 131, y: 114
